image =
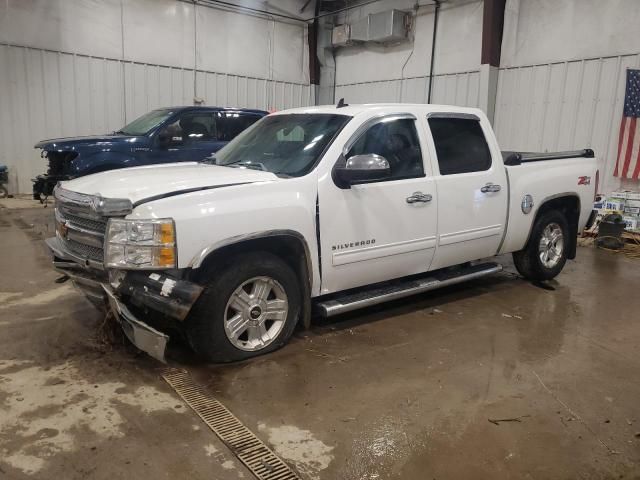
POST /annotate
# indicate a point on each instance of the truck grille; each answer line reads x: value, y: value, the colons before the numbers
x: 85, y: 251
x: 95, y: 225
x: 79, y: 227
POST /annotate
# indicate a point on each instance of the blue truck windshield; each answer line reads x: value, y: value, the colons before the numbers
x: 289, y: 144
x: 142, y: 125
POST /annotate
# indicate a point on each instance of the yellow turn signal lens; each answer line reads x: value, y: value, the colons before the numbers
x: 166, y: 257
x: 167, y: 234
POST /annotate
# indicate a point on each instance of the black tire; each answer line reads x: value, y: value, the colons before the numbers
x: 3, y: 192
x: 205, y: 325
x: 528, y: 261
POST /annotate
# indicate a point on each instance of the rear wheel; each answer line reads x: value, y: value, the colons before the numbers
x: 250, y: 307
x: 4, y: 193
x: 545, y: 254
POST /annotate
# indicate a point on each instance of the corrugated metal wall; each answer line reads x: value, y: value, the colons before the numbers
x: 451, y: 89
x: 565, y: 106
x: 47, y: 94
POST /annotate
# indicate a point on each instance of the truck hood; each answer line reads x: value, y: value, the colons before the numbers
x: 72, y: 143
x: 140, y: 184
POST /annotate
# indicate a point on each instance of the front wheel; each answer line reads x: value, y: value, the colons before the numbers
x: 250, y: 307
x: 545, y: 254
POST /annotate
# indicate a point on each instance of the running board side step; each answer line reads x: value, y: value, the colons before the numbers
x: 401, y: 289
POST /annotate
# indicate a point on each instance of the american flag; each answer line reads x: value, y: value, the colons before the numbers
x: 628, y: 161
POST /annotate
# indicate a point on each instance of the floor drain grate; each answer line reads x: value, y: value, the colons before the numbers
x: 257, y: 457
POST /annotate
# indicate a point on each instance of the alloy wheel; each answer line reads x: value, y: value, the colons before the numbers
x: 256, y: 313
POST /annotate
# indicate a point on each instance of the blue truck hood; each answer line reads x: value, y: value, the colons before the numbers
x: 70, y: 144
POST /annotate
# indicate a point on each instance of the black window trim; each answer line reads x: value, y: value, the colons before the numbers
x: 362, y: 129
x: 459, y: 116
x: 367, y: 124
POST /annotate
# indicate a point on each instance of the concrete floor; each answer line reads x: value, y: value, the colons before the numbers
x: 404, y: 391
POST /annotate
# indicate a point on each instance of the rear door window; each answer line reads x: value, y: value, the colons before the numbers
x: 230, y: 124
x: 190, y: 128
x: 460, y: 144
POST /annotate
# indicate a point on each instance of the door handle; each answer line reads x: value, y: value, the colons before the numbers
x: 417, y: 197
x: 490, y: 188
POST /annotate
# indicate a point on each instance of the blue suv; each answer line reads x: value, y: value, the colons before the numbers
x: 177, y: 134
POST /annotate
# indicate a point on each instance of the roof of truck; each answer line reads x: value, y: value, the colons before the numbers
x: 354, y: 110
x: 213, y: 107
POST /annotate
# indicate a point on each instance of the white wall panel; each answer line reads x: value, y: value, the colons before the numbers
x: 61, y: 24
x: 546, y: 31
x: 454, y: 89
x: 159, y: 31
x: 233, y: 43
x: 565, y: 106
x: 249, y: 46
x: 290, y: 53
x: 163, y: 32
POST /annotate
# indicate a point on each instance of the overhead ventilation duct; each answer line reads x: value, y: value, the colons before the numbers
x: 391, y: 26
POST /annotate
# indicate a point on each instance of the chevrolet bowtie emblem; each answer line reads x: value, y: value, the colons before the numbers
x: 96, y: 204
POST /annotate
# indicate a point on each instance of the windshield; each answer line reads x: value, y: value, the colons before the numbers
x: 288, y: 144
x: 146, y: 122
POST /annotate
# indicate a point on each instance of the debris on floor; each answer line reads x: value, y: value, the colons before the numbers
x: 498, y: 421
x: 616, y: 226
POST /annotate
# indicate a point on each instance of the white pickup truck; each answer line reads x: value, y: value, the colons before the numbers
x: 318, y: 210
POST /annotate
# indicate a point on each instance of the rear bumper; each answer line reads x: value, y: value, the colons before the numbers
x: 169, y: 296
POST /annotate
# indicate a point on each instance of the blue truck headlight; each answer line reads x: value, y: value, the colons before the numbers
x: 140, y: 244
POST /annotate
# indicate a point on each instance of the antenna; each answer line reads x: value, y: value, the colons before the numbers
x: 342, y: 104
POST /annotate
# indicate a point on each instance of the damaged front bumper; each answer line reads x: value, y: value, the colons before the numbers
x: 44, y: 184
x: 145, y: 292
x: 143, y: 336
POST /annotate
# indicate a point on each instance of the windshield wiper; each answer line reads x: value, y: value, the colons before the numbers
x: 252, y: 165
x: 233, y: 163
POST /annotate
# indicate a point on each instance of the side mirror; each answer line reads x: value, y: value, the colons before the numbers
x: 168, y: 139
x: 361, y: 169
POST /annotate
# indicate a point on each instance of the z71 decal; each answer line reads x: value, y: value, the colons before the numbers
x: 584, y: 180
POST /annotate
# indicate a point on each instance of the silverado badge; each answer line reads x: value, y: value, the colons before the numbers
x: 360, y: 243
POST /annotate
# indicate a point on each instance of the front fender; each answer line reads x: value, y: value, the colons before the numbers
x: 289, y: 245
x: 207, y: 220
x: 201, y: 256
x: 88, y: 163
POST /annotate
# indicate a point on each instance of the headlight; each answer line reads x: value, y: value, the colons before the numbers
x: 140, y: 244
